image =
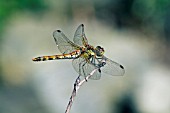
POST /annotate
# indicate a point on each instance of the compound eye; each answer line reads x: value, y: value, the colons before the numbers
x: 102, y: 51
x: 99, y: 51
x: 99, y: 47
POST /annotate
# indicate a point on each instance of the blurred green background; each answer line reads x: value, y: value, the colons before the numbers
x: 134, y: 33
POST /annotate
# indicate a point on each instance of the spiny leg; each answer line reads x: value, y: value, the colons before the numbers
x: 84, y: 71
x: 80, y: 68
x: 93, y: 61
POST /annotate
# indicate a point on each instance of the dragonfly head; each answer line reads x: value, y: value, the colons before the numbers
x: 99, y: 51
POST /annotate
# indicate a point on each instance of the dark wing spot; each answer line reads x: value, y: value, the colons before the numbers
x: 121, y: 67
x: 58, y: 31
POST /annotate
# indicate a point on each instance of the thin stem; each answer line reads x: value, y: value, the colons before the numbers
x: 77, y: 85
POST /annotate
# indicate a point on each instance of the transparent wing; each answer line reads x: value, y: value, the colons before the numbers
x: 84, y: 68
x: 64, y: 44
x: 112, y: 68
x: 79, y: 36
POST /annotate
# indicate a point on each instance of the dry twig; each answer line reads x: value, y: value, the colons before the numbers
x: 77, y: 85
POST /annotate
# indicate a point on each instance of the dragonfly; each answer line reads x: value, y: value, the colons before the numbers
x: 85, y: 57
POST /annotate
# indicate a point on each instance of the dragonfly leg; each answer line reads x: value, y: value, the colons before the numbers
x: 93, y: 60
x: 76, y: 83
x: 84, y: 71
x: 102, y: 62
x: 81, y: 69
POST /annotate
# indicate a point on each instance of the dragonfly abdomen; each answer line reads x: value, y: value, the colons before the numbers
x: 72, y: 55
x: 54, y: 57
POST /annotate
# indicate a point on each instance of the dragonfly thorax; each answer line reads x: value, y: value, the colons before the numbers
x: 99, y: 51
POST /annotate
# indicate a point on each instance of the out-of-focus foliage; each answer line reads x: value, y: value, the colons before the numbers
x: 10, y: 7
x: 125, y: 104
x: 138, y: 14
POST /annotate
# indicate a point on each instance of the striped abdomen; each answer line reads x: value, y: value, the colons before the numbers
x: 56, y: 57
